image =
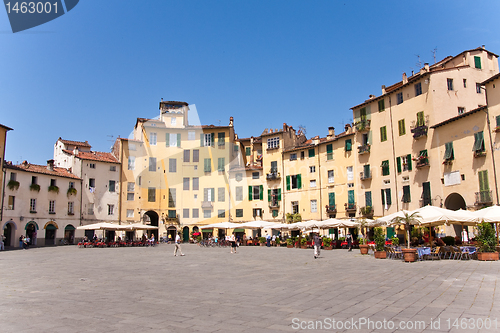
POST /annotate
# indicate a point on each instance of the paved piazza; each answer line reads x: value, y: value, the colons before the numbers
x: 68, y: 289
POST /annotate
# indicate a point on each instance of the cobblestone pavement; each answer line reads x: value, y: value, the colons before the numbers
x: 259, y: 289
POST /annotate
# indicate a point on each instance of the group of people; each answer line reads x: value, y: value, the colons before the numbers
x: 24, y: 242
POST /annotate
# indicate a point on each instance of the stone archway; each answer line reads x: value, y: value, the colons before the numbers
x: 32, y: 231
x: 9, y: 232
x: 455, y: 201
x: 153, y: 219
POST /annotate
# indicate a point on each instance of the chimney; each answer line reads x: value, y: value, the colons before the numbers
x: 405, y: 78
x: 331, y: 132
x: 25, y: 163
x: 231, y: 119
x: 371, y: 96
x: 285, y: 127
x: 50, y: 165
x: 426, y: 67
x: 347, y: 128
x: 75, y: 151
x: 383, y: 89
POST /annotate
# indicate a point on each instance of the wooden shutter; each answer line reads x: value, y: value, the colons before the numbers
x: 368, y: 199
x: 202, y: 143
x: 311, y: 152
x: 477, y: 62
x: 179, y: 140
x: 388, y: 192
x: 350, y: 196
x: 167, y: 139
x: 212, y: 192
x: 483, y: 181
x: 408, y: 160
x: 279, y: 194
x: 382, y: 192
x: 331, y: 199
x: 398, y: 163
x: 250, y: 193
x: 212, y: 139
x: 288, y: 183
x: 329, y: 148
x: 261, y: 192
x: 299, y: 181
x: 269, y: 195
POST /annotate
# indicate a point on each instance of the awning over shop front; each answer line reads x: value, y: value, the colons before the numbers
x: 239, y: 230
x: 207, y: 230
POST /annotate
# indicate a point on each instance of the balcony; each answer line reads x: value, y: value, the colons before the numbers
x: 419, y: 131
x: 484, y: 198
x: 365, y: 175
x: 331, y: 209
x: 422, y: 161
x: 171, y: 220
x: 364, y: 149
x: 273, y: 175
x: 207, y: 204
x: 274, y: 204
x: 350, y: 207
x: 363, y: 125
x: 366, y: 211
x: 479, y: 153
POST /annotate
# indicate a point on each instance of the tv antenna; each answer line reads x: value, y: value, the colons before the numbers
x: 434, y: 53
x: 419, y: 62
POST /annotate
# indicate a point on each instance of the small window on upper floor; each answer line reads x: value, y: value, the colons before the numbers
x: 418, y: 89
x: 112, y: 168
x: 381, y: 105
x: 478, y: 88
x: 465, y: 83
x: 92, y: 165
x: 293, y: 157
x: 399, y: 98
x: 461, y: 110
x: 477, y: 62
x: 450, y: 84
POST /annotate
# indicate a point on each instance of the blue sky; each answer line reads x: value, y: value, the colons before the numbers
x: 90, y: 73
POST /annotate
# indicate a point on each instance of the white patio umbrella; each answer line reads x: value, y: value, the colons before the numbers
x: 489, y: 214
x: 433, y: 216
x: 222, y: 225
x: 140, y: 226
x: 256, y: 225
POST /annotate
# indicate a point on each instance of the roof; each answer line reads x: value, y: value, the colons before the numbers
x: 42, y: 169
x: 465, y: 114
x: 174, y: 103
x: 75, y: 143
x: 94, y: 156
x: 493, y: 78
x: 7, y: 128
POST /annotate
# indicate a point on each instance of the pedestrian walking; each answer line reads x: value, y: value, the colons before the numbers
x: 349, y: 241
x: 232, y: 239
x: 178, y: 245
x: 317, y: 245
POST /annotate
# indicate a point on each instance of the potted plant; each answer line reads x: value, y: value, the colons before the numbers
x: 289, y: 217
x: 409, y: 255
x: 71, y: 191
x: 277, y: 241
x: 303, y: 243
x: 363, y: 247
x: 395, y: 240
x: 297, y: 217
x: 379, y: 238
x: 262, y: 241
x: 290, y: 242
x: 487, y: 242
x: 13, y: 185
x: 53, y: 188
x: 327, y: 243
x: 35, y: 187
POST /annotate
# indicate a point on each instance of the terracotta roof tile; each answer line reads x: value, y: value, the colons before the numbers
x: 28, y: 167
x: 76, y: 143
x: 94, y: 156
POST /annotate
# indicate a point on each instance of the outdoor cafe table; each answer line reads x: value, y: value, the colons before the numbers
x: 423, y: 251
x: 468, y: 249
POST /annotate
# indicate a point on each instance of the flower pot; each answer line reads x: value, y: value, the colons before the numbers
x: 380, y: 254
x: 363, y: 248
x: 262, y: 244
x: 303, y: 246
x: 409, y: 255
x: 487, y: 256
x: 289, y: 246
x: 327, y: 247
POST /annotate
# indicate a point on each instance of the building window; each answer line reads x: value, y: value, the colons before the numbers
x: 71, y: 184
x: 293, y: 182
x: 461, y: 110
x: 255, y: 192
x: 312, y: 169
x: 70, y: 208
x: 173, y: 121
x: 13, y: 176
x: 329, y: 152
x: 477, y: 62
x: 406, y: 193
x: 34, y: 180
x: 273, y: 143
x: 207, y: 165
x: 196, y: 213
x: 383, y: 133
x: 208, y: 139
x: 448, y: 154
x: 350, y: 173
x: 185, y: 213
x: 403, y: 163
x: 331, y: 179
x: 196, y: 183
x: 171, y: 197
x: 399, y: 97
x: 131, y: 162
x: 239, y: 212
x: 152, y: 164
x: 465, y: 83
x: 187, y: 155
x: 112, y: 185
x: 255, y: 175
x: 348, y: 145
x: 130, y: 213
x: 381, y: 105
x: 32, y: 205
x: 418, y: 89
x: 450, y: 84
x: 130, y: 196
x: 152, y: 139
x: 221, y: 194
x: 172, y: 165
x: 314, y: 206
x: 185, y: 183
x: 52, y: 207
x: 112, y: 168
x: 91, y: 184
x: 130, y: 187
x: 295, y: 207
x: 368, y: 199
x: 173, y: 140
x: 207, y: 214
x: 312, y: 152
x: 257, y: 212
x: 248, y: 151
x: 191, y: 135
x: 91, y: 209
x: 401, y: 126
x: 239, y: 193
x: 208, y: 194
x: 478, y: 88
x: 221, y: 213
x: 386, y: 197
x: 53, y: 182
x: 293, y: 157
x: 221, y: 139
x: 312, y: 183
x: 478, y: 142
x: 92, y: 165
x: 151, y: 194
x: 221, y: 164
x: 385, y: 168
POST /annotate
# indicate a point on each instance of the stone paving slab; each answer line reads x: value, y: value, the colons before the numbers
x: 68, y: 289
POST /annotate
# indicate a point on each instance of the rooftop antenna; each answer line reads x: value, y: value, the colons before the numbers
x: 111, y: 140
x: 219, y: 121
x: 419, y: 62
x: 434, y: 53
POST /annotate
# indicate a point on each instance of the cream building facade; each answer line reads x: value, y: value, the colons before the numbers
x: 3, y: 142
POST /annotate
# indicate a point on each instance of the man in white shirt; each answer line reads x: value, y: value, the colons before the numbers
x: 178, y: 244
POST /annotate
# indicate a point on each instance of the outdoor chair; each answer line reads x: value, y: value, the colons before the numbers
x: 398, y: 254
x: 463, y: 254
x: 435, y: 254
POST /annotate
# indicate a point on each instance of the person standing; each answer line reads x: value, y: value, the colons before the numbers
x: 2, y: 244
x: 178, y: 244
x: 349, y: 241
x: 232, y: 239
x: 268, y: 239
x: 317, y: 245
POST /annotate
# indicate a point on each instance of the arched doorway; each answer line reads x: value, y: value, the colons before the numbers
x: 50, y: 233
x: 69, y: 234
x: 171, y: 232
x: 185, y: 234
x: 9, y: 231
x: 455, y: 201
x: 151, y: 217
x: 31, y: 231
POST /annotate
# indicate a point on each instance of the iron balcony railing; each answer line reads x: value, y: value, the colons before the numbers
x: 484, y: 197
x: 331, y: 209
x: 363, y: 125
x: 365, y: 175
x: 349, y: 207
x: 364, y: 149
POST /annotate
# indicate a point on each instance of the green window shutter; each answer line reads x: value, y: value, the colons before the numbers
x: 383, y: 134
x: 368, y: 199
x: 366, y: 170
x: 288, y: 183
x: 202, y: 143
x: 385, y: 168
x: 448, y: 154
x: 408, y: 160
x: 398, y: 163
x: 331, y: 199
x: 179, y: 140
x: 235, y: 148
x: 477, y: 62
x: 388, y: 194
x: 427, y: 191
x: 250, y: 193
x: 383, y: 196
x: 348, y: 145
x: 329, y: 148
x: 498, y: 121
x: 401, y: 126
x: 350, y: 196
x: 478, y: 141
x: 208, y: 166
x: 220, y: 164
x: 483, y: 181
x: 212, y: 139
x: 311, y: 152
x: 205, y: 194
x: 279, y: 194
x: 299, y: 181
x: 370, y: 137
x: 269, y: 195
x: 381, y: 105
x: 248, y: 151
x: 261, y: 192
x: 406, y: 193
x: 167, y: 139
x: 420, y: 118
x: 212, y: 190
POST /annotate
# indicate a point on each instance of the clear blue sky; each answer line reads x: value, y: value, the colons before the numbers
x: 90, y: 73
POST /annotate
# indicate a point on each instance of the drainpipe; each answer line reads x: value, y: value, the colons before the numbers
x: 491, y: 144
x: 320, y: 189
x: 393, y: 155
x: 81, y: 193
x: 3, y: 192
